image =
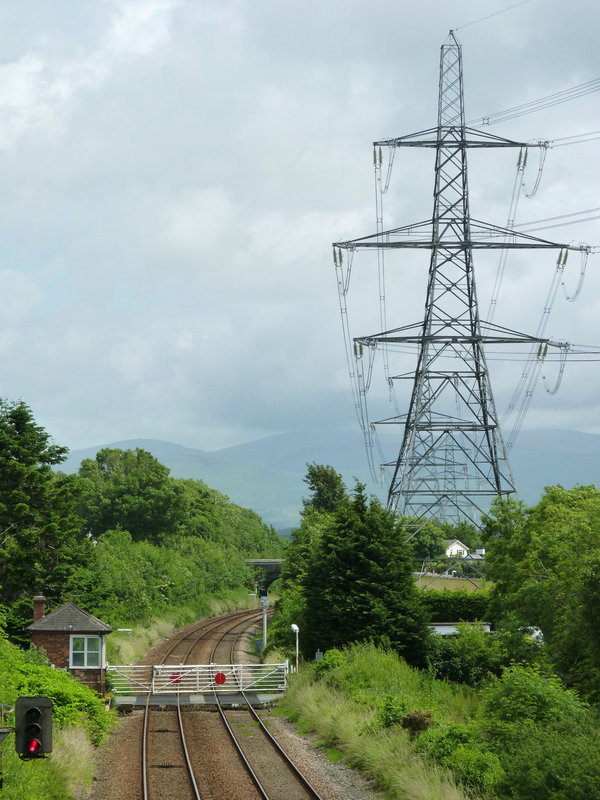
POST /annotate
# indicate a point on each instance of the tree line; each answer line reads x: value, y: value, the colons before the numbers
x: 121, y: 537
x: 348, y: 577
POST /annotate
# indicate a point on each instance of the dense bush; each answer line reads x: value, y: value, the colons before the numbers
x: 456, y: 606
x: 391, y: 710
x: 472, y: 655
x: 25, y: 673
x: 455, y: 746
x: 127, y: 581
x: 544, y: 563
x: 547, y: 739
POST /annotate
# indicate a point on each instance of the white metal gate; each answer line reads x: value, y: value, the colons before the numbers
x: 197, y: 678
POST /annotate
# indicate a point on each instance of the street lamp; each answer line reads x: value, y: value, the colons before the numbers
x: 296, y: 630
x: 264, y: 601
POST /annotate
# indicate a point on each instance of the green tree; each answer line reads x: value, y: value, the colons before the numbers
x: 429, y: 541
x: 129, y: 489
x: 359, y: 584
x: 547, y: 740
x: 40, y: 545
x: 327, y: 487
x: 544, y: 563
x: 464, y: 531
x: 291, y: 605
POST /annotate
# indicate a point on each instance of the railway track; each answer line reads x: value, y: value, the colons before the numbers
x: 167, y: 769
x: 181, y: 749
x: 249, y: 736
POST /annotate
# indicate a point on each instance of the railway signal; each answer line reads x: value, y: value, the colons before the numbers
x: 33, y: 727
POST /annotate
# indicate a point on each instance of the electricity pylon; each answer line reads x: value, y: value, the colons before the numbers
x: 452, y: 459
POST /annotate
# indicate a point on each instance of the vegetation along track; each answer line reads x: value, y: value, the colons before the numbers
x: 190, y: 754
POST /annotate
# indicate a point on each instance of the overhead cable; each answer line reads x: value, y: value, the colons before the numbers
x: 489, y: 16
x: 537, y: 105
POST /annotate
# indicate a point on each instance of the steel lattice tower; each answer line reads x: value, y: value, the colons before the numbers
x: 452, y: 460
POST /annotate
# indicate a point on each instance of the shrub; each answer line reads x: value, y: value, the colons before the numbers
x: 74, y: 703
x: 547, y: 739
x: 472, y: 655
x: 391, y: 710
x: 456, y: 747
x: 477, y: 768
x: 441, y: 741
x: 523, y: 693
x: 331, y: 660
x: 456, y: 606
x: 415, y: 722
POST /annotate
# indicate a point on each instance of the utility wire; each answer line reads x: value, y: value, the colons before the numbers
x: 535, y: 225
x: 578, y: 138
x: 537, y: 105
x: 495, y: 14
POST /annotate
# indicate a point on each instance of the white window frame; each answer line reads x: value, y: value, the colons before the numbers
x: 86, y: 637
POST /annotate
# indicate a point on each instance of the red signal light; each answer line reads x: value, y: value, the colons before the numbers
x: 33, y: 746
x: 33, y: 727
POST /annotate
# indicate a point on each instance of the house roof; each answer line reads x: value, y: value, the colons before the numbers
x: 70, y: 618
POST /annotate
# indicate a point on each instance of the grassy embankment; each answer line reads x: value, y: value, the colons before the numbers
x: 127, y: 647
x: 519, y: 737
x: 347, y: 717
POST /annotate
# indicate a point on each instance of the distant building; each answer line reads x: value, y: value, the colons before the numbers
x: 449, y: 628
x: 73, y: 640
x: 456, y: 549
x: 478, y: 555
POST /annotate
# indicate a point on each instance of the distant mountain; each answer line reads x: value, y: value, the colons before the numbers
x: 267, y: 475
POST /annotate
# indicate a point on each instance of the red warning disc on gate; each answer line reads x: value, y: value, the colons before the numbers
x: 220, y: 678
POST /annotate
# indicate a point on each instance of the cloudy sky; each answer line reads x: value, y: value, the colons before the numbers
x: 173, y: 173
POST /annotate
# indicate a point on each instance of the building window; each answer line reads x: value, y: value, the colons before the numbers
x: 85, y: 651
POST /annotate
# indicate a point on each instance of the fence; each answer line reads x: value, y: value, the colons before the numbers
x: 197, y: 678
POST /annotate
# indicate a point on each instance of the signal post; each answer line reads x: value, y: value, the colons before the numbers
x: 33, y: 728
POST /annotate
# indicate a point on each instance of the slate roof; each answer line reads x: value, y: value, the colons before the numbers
x: 70, y: 618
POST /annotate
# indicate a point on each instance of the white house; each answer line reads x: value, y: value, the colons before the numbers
x: 456, y: 548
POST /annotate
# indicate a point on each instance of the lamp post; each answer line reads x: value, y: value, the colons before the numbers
x: 264, y: 601
x: 296, y: 630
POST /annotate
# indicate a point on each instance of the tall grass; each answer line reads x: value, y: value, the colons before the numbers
x: 387, y: 756
x: 127, y: 647
x: 72, y: 758
x: 367, y: 674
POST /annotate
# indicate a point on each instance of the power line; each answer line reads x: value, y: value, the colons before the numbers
x: 577, y: 138
x: 594, y: 211
x: 541, y: 103
x: 495, y: 14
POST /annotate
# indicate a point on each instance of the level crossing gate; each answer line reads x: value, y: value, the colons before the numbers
x: 196, y: 678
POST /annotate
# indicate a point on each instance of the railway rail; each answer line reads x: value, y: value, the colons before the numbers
x: 167, y: 769
x: 171, y: 768
x: 289, y: 783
